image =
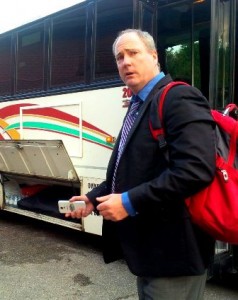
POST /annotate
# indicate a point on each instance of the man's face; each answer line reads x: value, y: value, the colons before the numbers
x: 136, y: 64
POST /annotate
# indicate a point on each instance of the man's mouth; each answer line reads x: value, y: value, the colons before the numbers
x: 128, y: 74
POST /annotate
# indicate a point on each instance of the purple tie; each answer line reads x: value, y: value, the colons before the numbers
x: 129, y: 120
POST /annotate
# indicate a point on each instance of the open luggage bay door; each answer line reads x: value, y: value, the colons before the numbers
x: 36, y: 174
x: 43, y: 159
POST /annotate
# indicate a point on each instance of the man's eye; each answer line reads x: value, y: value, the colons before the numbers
x: 118, y: 58
x: 133, y: 52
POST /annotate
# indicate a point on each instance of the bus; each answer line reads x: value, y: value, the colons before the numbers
x: 62, y: 102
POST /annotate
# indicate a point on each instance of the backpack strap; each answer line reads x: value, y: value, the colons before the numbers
x: 229, y: 126
x: 156, y: 124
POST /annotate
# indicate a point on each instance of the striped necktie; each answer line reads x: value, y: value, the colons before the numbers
x: 129, y: 120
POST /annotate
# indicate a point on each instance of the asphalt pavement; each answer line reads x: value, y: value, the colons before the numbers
x: 41, y: 261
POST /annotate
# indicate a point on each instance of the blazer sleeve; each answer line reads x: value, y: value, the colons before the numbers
x: 100, y: 190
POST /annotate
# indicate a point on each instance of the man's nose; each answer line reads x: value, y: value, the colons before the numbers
x: 126, y: 60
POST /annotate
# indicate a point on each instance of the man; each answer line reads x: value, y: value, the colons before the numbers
x: 142, y: 199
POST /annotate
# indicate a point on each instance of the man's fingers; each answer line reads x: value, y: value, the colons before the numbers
x: 102, y: 199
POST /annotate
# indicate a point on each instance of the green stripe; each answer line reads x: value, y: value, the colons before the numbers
x: 48, y: 126
x: 60, y: 129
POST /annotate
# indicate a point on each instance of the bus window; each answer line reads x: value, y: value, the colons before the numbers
x: 5, y: 65
x: 68, y: 48
x: 183, y: 41
x: 147, y: 22
x: 110, y: 17
x: 224, y: 46
x: 30, y: 59
x: 148, y: 16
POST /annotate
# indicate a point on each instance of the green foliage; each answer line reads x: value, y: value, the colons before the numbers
x: 179, y: 63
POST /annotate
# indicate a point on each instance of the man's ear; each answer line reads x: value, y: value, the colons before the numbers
x: 155, y: 56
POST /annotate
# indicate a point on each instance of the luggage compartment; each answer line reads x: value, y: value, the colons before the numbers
x: 34, y: 175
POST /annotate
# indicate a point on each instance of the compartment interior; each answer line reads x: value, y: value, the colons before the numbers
x: 37, y: 195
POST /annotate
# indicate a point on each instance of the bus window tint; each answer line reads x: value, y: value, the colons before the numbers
x: 224, y: 46
x: 68, y: 48
x: 183, y: 42
x: 110, y: 17
x: 148, y: 19
x: 5, y: 66
x: 30, y: 59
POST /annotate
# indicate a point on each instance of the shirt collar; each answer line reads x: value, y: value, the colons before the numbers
x: 149, y: 86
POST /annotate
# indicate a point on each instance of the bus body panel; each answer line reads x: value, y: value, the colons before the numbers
x: 83, y: 128
x: 76, y: 119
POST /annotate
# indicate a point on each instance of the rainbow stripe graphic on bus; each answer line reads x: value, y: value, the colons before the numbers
x: 51, y: 120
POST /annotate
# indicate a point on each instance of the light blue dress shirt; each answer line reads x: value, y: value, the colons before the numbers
x: 142, y: 95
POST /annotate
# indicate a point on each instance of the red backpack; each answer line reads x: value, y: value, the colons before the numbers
x: 215, y: 208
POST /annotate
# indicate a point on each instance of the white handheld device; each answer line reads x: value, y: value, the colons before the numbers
x: 66, y: 207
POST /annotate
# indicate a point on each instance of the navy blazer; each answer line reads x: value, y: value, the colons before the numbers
x: 161, y: 239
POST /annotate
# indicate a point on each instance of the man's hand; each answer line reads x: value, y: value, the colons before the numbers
x: 111, y: 207
x: 81, y: 212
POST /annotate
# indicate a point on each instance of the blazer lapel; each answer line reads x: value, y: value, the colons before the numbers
x: 158, y: 87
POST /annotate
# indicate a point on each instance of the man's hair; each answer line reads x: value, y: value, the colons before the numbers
x: 144, y: 36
